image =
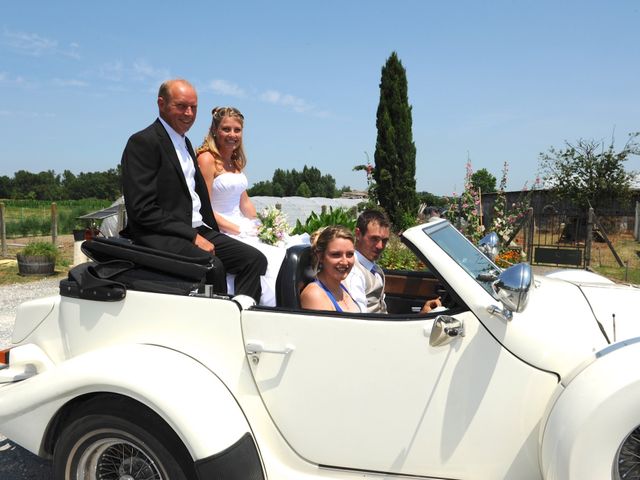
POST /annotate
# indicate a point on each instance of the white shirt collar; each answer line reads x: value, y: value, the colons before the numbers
x: 364, y: 261
x: 176, y: 138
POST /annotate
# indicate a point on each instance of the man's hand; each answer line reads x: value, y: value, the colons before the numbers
x: 204, y: 244
x: 431, y: 304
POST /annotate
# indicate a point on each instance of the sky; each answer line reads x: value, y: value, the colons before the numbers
x: 492, y: 82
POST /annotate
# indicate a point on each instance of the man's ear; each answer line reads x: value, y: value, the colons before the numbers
x: 358, y: 234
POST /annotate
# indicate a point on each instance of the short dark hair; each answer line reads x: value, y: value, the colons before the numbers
x: 371, y: 216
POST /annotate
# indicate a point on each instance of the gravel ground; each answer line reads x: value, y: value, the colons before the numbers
x: 16, y: 463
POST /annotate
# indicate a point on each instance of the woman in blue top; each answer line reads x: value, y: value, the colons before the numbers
x: 333, y: 256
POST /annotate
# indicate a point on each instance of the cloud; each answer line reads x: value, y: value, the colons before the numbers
x: 111, y: 71
x: 35, y: 45
x: 58, y: 82
x: 6, y: 79
x: 222, y: 87
x: 22, y: 114
x: 274, y: 97
x: 144, y: 71
x: 295, y: 103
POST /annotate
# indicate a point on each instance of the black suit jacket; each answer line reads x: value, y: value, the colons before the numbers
x: 157, y: 199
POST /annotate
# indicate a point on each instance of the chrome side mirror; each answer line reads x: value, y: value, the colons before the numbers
x: 445, y: 329
x: 512, y: 288
x: 489, y: 245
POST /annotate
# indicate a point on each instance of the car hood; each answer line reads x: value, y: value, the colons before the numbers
x: 616, y: 307
x: 563, y: 324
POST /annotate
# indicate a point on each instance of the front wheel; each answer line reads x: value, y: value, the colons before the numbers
x: 626, y: 465
x: 105, y: 447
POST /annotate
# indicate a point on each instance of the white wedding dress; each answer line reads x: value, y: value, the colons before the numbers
x: 227, y: 189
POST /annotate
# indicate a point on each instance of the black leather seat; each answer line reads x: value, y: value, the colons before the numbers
x: 295, y: 273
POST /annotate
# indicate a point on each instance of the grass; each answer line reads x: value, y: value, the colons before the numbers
x: 33, y: 217
x: 628, y: 249
x: 9, y: 266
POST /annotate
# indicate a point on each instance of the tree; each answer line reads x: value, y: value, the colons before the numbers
x: 395, y: 155
x: 287, y: 183
x: 483, y: 181
x: 36, y: 186
x: 303, y: 190
x: 588, y: 172
x: 263, y: 188
x: 6, y: 187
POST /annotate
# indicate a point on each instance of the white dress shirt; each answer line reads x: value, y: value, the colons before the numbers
x: 356, y: 283
x: 189, y: 170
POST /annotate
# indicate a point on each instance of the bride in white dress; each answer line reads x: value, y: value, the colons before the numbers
x: 222, y: 160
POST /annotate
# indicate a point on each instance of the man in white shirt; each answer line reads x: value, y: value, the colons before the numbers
x: 167, y: 201
x: 366, y: 280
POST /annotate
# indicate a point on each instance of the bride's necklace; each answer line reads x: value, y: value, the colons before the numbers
x: 229, y: 165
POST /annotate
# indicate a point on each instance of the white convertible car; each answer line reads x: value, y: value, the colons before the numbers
x: 518, y: 378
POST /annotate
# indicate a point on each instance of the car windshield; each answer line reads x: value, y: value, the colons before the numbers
x: 464, y: 253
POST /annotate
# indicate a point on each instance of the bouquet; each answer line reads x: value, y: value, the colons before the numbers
x: 274, y: 228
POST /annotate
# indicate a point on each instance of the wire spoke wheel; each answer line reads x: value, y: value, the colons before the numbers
x: 627, y: 465
x: 106, y: 447
x: 115, y: 459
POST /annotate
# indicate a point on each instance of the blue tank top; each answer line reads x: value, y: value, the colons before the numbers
x: 332, y: 298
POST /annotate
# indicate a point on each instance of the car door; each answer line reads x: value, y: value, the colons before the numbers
x: 369, y: 392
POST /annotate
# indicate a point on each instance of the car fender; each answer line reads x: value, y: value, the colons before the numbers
x: 193, y: 401
x: 596, y: 411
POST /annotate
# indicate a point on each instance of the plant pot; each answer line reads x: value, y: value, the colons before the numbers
x: 78, y: 234
x: 35, y: 265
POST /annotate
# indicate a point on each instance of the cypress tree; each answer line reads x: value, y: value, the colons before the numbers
x: 395, y: 156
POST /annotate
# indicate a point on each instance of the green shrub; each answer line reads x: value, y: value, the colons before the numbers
x: 44, y: 249
x: 398, y: 257
x: 338, y: 216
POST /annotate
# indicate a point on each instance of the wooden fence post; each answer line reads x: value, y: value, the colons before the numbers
x: 636, y: 227
x: 589, y: 238
x: 529, y: 234
x: 121, y: 214
x: 3, y: 230
x: 54, y: 223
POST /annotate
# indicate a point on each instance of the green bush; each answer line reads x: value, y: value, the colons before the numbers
x: 338, y: 216
x: 44, y: 249
x: 398, y: 257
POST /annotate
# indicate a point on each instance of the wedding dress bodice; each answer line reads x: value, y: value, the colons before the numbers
x: 227, y: 189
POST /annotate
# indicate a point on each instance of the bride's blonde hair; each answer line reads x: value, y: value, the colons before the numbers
x: 209, y: 144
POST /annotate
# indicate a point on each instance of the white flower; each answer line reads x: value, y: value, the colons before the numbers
x: 274, y: 226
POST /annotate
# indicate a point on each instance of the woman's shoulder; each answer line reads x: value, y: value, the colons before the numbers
x: 314, y: 297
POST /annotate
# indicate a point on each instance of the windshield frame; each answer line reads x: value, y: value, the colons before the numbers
x: 464, y: 253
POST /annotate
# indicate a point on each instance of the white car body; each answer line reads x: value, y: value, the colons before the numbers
x: 550, y: 392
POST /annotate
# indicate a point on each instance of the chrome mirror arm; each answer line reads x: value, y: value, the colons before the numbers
x: 505, y: 313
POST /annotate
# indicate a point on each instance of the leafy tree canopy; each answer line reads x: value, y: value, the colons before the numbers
x: 483, y: 181
x: 287, y: 183
x: 51, y: 186
x: 589, y: 172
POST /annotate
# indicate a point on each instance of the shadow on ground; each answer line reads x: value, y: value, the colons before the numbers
x: 16, y: 463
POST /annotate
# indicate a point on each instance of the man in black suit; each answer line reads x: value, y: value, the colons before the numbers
x: 167, y: 201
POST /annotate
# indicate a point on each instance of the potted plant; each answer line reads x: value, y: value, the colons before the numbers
x: 37, y: 258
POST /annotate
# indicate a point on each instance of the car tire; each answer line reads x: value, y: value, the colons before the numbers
x: 626, y: 462
x: 109, y: 447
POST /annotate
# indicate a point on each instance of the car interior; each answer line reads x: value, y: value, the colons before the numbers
x: 119, y: 265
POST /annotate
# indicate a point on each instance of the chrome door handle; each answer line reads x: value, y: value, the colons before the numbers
x: 445, y: 328
x: 254, y: 348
